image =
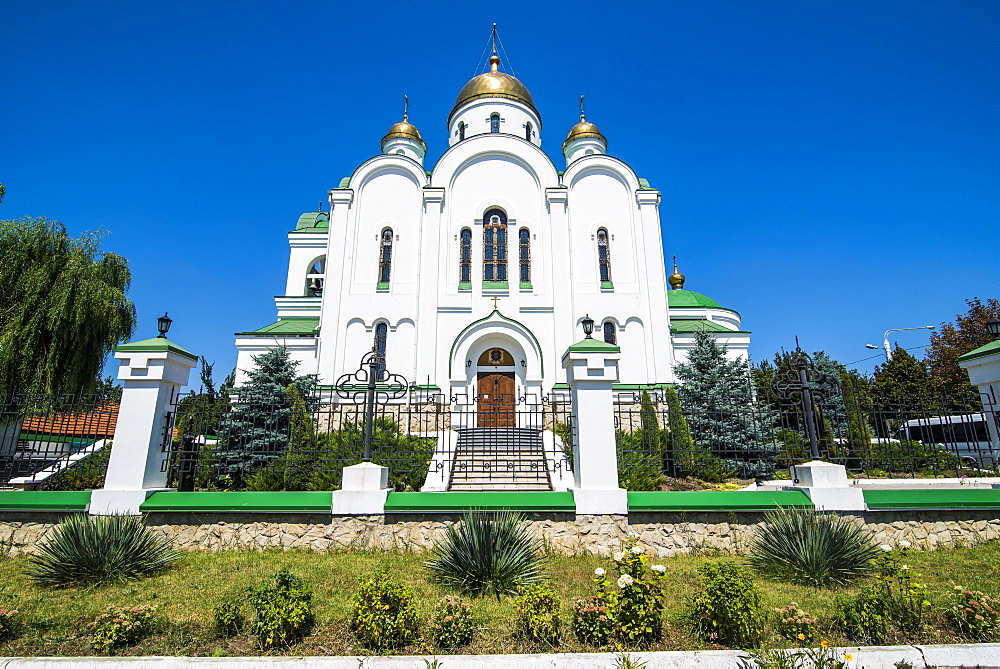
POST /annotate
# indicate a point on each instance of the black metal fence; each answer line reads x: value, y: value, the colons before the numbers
x: 797, y: 416
x: 55, y: 441
x: 429, y: 440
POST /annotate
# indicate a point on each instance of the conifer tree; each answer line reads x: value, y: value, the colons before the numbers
x: 723, y: 415
x: 256, y: 432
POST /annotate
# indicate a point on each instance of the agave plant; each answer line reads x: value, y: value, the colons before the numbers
x: 90, y: 550
x: 812, y: 548
x: 487, y: 552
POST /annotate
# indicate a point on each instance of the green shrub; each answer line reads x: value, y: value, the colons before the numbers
x: 812, y: 548
x: 727, y: 609
x: 10, y: 624
x: 229, y: 617
x: 453, y: 624
x: 796, y: 625
x: 634, y: 598
x: 866, y: 617
x: 487, y: 552
x: 382, y: 612
x: 975, y: 614
x: 536, y: 614
x: 282, y: 609
x: 591, y: 622
x: 121, y: 626
x: 99, y: 549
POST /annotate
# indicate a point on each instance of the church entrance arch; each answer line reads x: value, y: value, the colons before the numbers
x: 495, y: 389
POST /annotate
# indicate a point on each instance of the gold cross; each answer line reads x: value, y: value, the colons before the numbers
x: 495, y: 300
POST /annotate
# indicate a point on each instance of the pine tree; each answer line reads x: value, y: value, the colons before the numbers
x: 724, y: 417
x: 256, y: 432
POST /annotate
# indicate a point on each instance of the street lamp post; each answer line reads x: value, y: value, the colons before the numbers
x: 885, y: 339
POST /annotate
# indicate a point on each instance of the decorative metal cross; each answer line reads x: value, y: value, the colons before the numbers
x: 366, y: 386
x: 495, y: 300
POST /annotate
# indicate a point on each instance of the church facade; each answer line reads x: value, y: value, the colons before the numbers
x: 477, y: 273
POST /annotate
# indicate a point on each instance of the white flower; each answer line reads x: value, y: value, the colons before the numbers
x: 598, y: 572
x: 625, y: 580
x: 619, y: 556
x: 904, y: 544
x: 659, y: 568
x: 886, y: 547
x: 905, y: 566
x: 638, y: 550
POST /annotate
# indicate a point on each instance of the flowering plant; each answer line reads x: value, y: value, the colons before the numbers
x: 819, y: 657
x: 9, y: 623
x: 632, y: 601
x: 975, y: 614
x: 120, y: 626
x: 453, y: 623
x: 796, y: 625
x: 591, y: 622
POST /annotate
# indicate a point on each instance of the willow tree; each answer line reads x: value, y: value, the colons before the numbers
x: 62, y: 307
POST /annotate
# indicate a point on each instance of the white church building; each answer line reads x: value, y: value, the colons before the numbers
x: 476, y: 273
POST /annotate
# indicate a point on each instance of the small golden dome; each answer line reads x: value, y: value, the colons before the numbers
x: 404, y: 129
x: 584, y: 129
x: 676, y: 279
x: 494, y: 84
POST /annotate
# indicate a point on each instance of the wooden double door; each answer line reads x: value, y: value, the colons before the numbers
x: 495, y: 400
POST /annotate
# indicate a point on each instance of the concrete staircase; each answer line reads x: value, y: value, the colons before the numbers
x: 503, y: 458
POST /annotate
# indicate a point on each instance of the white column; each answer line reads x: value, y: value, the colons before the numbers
x: 153, y: 371
x: 591, y: 368
x: 983, y: 368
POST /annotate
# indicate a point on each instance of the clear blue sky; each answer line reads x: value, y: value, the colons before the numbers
x: 828, y: 168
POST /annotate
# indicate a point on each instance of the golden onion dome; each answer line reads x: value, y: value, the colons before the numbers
x: 404, y: 129
x: 584, y: 129
x: 676, y: 279
x: 494, y: 84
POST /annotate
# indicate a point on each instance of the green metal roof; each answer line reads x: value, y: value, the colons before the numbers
x: 313, y: 221
x: 345, y: 182
x: 457, y: 502
x: 155, y: 345
x: 643, y: 183
x: 692, y: 325
x: 689, y: 298
x: 981, y: 352
x: 593, y: 346
x: 287, y: 326
x: 708, y: 500
x: 249, y: 502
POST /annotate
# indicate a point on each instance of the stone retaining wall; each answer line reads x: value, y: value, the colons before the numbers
x: 668, y: 533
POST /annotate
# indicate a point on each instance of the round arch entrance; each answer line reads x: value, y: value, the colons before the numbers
x: 496, y: 389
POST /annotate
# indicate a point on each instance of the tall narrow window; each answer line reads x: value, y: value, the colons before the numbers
x: 385, y: 259
x: 495, y: 123
x: 604, y: 255
x: 527, y: 131
x: 465, y: 257
x: 314, y: 277
x: 381, y: 334
x: 524, y: 254
x: 461, y: 130
x: 495, y: 246
x: 609, y: 333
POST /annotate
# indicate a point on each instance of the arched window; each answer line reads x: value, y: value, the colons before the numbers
x: 495, y: 246
x: 524, y: 254
x: 461, y: 130
x: 527, y: 131
x: 604, y: 255
x: 381, y: 334
x: 495, y: 123
x: 385, y: 258
x: 314, y: 277
x: 609, y: 333
x: 465, y: 257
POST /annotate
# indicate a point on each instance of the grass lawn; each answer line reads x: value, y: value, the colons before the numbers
x: 186, y: 595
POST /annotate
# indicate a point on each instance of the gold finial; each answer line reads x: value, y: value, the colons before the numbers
x: 495, y: 300
x: 583, y: 117
x: 494, y: 59
x: 676, y: 279
x: 406, y: 106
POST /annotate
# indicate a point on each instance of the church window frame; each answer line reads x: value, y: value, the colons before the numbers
x: 465, y: 258
x: 610, y: 333
x: 385, y: 258
x: 604, y: 257
x: 494, y: 122
x: 527, y: 131
x: 379, y: 346
x: 461, y: 131
x: 315, y: 277
x: 524, y: 257
x: 495, y: 248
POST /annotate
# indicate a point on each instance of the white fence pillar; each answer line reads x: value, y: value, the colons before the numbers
x: 152, y: 371
x: 983, y: 366
x: 591, y: 368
